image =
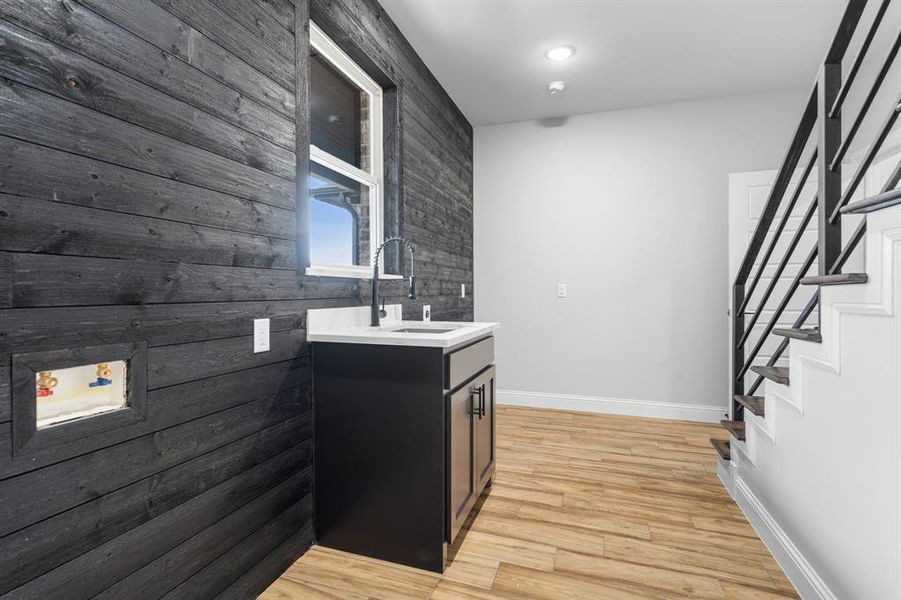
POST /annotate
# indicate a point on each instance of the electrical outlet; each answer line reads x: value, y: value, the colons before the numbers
x: 261, y: 335
x: 561, y: 290
x: 427, y: 312
x: 462, y: 290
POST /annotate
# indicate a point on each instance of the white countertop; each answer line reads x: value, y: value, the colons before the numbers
x: 330, y: 325
x: 387, y: 335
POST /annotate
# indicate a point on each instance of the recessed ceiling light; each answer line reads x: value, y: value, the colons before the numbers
x: 560, y: 53
x: 555, y: 87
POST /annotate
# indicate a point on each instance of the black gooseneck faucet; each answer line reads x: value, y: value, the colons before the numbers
x: 375, y: 312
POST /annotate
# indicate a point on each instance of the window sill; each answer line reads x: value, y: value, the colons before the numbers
x: 354, y: 272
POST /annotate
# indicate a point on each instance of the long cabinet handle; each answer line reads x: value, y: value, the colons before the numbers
x: 480, y: 392
x: 482, y: 402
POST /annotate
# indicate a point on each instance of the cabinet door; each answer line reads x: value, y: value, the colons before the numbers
x: 461, y: 456
x: 484, y: 430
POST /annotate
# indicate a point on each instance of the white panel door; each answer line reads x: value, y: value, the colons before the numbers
x: 748, y: 193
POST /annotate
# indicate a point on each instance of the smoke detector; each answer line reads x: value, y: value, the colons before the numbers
x: 555, y: 87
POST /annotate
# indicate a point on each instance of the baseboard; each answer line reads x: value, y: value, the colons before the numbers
x: 616, y: 406
x: 797, y: 568
x: 725, y: 470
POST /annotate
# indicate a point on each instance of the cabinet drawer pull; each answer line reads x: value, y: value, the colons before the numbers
x: 480, y: 409
x: 482, y: 401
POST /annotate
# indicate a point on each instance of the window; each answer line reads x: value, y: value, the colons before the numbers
x: 346, y: 187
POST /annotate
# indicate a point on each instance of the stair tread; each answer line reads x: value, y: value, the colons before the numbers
x: 883, y: 200
x: 736, y: 428
x: 777, y: 374
x: 837, y: 279
x: 808, y: 335
x: 753, y: 403
x: 722, y: 448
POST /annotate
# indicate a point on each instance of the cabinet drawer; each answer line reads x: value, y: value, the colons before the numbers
x: 466, y: 362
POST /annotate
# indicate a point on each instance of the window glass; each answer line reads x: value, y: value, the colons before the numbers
x: 339, y: 219
x: 339, y: 119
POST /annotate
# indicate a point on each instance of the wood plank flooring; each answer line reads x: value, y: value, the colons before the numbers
x: 583, y: 506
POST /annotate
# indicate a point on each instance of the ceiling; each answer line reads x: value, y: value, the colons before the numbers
x: 489, y: 54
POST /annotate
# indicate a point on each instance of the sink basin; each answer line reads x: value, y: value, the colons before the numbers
x: 421, y: 330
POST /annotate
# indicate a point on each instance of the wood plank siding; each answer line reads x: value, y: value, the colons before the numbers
x: 148, y: 174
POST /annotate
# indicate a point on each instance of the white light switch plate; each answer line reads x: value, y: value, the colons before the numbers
x: 427, y: 312
x: 462, y: 290
x: 261, y: 335
x: 561, y: 290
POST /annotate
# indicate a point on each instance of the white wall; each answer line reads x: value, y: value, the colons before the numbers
x: 629, y: 209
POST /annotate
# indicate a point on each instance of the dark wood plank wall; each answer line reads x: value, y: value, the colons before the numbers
x: 147, y: 166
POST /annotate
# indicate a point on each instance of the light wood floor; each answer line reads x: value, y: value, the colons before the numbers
x: 583, y: 506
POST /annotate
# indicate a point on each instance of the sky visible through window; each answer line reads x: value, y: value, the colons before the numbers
x: 331, y: 229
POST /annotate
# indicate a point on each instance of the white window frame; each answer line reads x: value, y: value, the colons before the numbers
x: 374, y: 179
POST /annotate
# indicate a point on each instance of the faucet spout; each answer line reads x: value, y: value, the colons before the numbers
x: 375, y: 313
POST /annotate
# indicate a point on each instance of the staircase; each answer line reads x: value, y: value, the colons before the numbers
x: 814, y: 450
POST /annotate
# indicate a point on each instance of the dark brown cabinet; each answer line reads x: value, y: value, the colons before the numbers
x: 484, y: 438
x: 461, y: 471
x: 471, y: 446
x: 404, y: 446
